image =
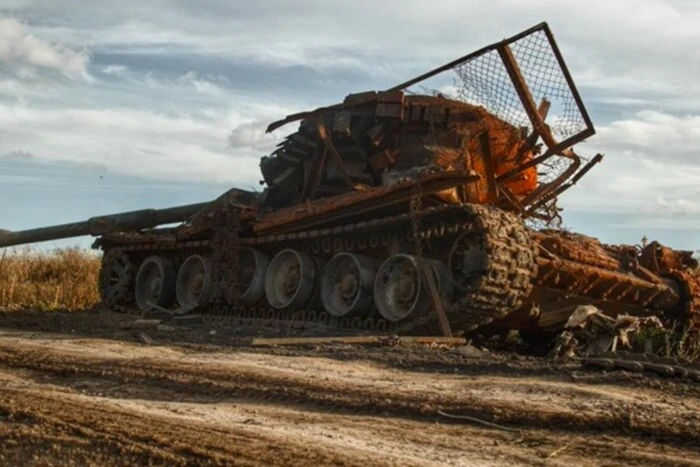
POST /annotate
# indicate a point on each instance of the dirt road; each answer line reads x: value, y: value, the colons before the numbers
x: 107, y: 399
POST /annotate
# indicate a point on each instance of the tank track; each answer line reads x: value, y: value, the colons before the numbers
x: 641, y: 362
x: 509, y: 276
x: 510, y: 272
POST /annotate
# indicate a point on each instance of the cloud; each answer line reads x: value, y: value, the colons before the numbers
x: 17, y: 46
x: 651, y: 169
x: 674, y: 207
x: 116, y: 70
x: 144, y: 143
x: 19, y: 155
x: 191, y: 81
x: 391, y: 37
x: 252, y: 135
x: 670, y: 138
x: 200, y: 84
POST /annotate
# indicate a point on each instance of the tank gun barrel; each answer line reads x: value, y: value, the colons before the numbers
x: 99, y: 225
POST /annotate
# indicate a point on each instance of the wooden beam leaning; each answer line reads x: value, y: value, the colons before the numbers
x: 437, y: 300
x: 525, y: 96
x: 323, y: 134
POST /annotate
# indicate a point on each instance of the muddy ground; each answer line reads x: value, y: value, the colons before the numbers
x: 77, y: 389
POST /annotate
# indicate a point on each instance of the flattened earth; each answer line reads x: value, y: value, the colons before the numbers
x: 76, y: 389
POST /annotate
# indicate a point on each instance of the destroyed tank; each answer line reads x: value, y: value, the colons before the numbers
x: 402, y: 212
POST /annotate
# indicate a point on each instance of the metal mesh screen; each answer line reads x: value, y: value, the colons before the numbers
x: 483, y: 80
x: 509, y: 79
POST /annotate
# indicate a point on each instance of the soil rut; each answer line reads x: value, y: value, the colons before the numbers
x: 88, y: 400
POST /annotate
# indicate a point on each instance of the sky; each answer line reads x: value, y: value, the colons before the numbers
x: 114, y: 106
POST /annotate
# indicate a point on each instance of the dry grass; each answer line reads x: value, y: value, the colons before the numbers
x: 61, y: 279
x: 674, y: 342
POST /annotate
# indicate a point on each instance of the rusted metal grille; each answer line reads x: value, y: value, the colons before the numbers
x: 485, y: 81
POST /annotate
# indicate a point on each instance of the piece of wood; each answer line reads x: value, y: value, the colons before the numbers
x: 437, y: 300
x: 320, y: 127
x: 492, y: 185
x: 285, y: 175
x: 376, y: 134
x: 531, y: 140
x: 143, y: 324
x: 341, y: 123
x: 262, y: 341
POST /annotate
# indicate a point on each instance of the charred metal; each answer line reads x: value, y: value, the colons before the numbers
x: 404, y: 212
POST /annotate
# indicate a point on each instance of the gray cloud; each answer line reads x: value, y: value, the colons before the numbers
x: 651, y: 169
x: 20, y: 47
x: 183, y: 90
x: 602, y: 38
x: 656, y: 136
x: 252, y: 135
x: 143, y: 143
x: 19, y: 154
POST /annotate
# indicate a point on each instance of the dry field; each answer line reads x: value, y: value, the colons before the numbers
x: 78, y: 388
x: 64, y: 279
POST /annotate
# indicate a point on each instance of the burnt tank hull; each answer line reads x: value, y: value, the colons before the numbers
x: 486, y: 266
x: 401, y: 212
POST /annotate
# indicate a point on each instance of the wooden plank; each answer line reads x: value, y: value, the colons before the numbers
x: 437, y: 300
x: 261, y: 341
x: 341, y: 123
x: 492, y: 186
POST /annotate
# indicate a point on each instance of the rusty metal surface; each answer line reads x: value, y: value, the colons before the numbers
x: 575, y: 247
x: 654, y: 278
x: 335, y: 208
x: 504, y: 79
x: 595, y: 282
x: 225, y: 248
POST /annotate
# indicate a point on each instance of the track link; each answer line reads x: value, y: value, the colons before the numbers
x: 508, y: 275
x: 511, y: 269
x: 640, y: 362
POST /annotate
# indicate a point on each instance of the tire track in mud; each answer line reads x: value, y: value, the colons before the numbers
x: 107, y: 431
x: 144, y: 439
x: 174, y: 374
x: 358, y: 440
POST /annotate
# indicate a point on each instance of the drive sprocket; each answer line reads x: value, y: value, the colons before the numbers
x: 116, y: 279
